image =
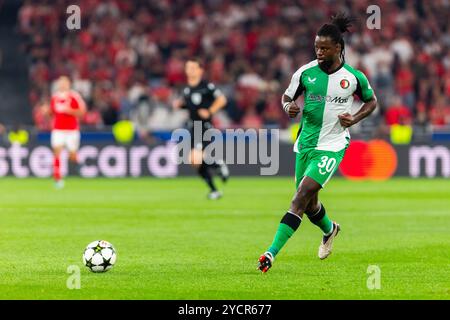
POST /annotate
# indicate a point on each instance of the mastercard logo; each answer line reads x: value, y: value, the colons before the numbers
x: 372, y: 160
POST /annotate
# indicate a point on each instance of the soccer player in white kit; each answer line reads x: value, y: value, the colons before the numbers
x: 67, y: 107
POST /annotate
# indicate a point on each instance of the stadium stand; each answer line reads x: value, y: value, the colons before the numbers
x: 127, y: 59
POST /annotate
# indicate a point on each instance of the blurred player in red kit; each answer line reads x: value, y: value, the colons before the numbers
x: 67, y: 107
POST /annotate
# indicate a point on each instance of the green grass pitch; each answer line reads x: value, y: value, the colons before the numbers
x: 172, y: 243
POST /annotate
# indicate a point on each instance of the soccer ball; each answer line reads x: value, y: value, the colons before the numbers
x: 99, y: 256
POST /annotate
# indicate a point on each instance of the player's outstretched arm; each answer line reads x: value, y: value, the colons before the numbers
x: 347, y: 120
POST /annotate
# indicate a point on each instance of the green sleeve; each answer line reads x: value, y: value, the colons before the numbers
x: 363, y: 90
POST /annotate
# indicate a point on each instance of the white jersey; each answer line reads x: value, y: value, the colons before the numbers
x: 326, y: 97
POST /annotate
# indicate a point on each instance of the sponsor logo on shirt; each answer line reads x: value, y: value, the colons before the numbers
x: 313, y: 80
x: 330, y: 99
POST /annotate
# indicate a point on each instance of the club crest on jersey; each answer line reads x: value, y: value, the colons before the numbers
x: 196, y: 98
x: 344, y: 84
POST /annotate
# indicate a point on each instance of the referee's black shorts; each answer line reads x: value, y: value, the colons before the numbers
x: 197, y: 141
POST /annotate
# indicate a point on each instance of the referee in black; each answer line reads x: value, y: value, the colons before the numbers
x: 202, y: 99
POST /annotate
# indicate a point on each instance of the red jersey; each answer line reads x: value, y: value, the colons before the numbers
x: 61, y: 101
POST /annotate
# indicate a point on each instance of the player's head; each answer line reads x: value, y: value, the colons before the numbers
x: 63, y: 84
x: 329, y: 42
x: 194, y: 69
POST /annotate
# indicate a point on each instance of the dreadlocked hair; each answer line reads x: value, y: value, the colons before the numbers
x: 339, y: 25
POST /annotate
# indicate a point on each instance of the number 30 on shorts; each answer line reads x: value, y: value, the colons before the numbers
x: 326, y: 165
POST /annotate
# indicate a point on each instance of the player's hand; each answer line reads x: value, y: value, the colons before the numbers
x: 46, y: 110
x: 177, y: 104
x: 204, y: 113
x: 293, y: 109
x: 346, y: 120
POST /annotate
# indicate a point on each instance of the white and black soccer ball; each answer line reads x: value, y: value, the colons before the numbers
x: 99, y: 256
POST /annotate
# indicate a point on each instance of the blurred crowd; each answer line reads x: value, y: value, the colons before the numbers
x: 127, y: 60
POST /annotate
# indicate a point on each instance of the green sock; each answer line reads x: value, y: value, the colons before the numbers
x: 325, y: 224
x: 321, y: 219
x: 288, y: 225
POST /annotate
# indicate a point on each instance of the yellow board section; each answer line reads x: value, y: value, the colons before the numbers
x: 123, y: 131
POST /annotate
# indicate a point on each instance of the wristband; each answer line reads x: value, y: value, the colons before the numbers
x: 285, y: 105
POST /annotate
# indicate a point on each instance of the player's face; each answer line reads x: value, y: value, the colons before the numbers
x: 63, y: 84
x: 193, y: 70
x: 327, y: 51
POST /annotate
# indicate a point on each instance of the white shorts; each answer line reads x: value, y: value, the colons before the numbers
x: 66, y: 138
